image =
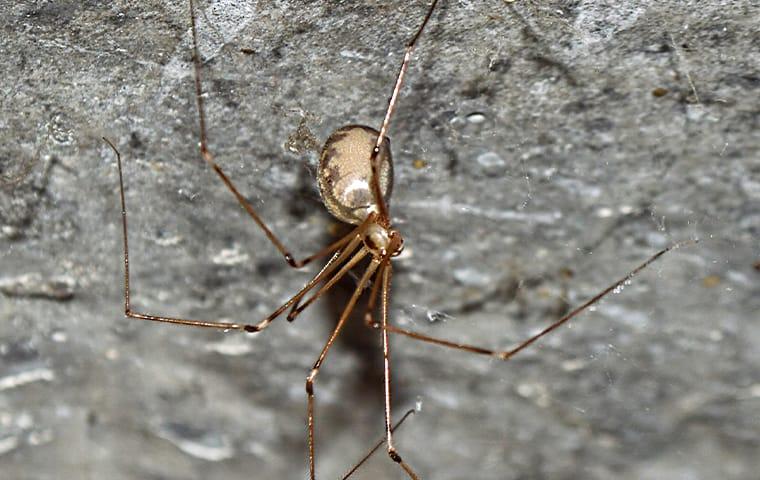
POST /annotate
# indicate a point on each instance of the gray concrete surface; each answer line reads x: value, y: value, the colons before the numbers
x: 542, y: 149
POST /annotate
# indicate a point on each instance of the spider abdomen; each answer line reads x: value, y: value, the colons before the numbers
x: 345, y: 173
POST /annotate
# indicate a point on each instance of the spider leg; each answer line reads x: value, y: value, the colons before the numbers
x: 209, y: 158
x: 507, y: 354
x: 392, y: 452
x: 377, y: 446
x: 297, y: 309
x: 373, y: 159
x: 336, y: 260
x: 353, y: 241
x: 371, y: 303
x: 330, y: 341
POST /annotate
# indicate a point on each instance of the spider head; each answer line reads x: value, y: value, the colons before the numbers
x: 383, y: 242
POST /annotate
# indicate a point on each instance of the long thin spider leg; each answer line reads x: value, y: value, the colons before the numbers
x: 330, y: 266
x: 323, y: 354
x: 208, y: 157
x: 322, y: 275
x: 376, y: 191
x: 127, y: 306
x: 348, y: 266
x: 371, y: 303
x: 392, y: 452
x: 294, y: 309
x: 507, y: 354
x: 292, y: 313
x: 354, y: 239
x: 353, y: 235
x: 377, y: 446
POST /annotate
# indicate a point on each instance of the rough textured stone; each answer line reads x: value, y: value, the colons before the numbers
x: 542, y: 150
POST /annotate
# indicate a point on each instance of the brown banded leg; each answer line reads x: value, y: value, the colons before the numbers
x: 208, y: 157
x: 315, y: 369
x: 507, y: 354
x: 354, y: 240
x: 392, y: 452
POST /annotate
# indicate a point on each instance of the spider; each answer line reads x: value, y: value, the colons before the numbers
x: 355, y: 180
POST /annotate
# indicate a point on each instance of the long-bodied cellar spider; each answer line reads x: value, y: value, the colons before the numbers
x: 355, y: 181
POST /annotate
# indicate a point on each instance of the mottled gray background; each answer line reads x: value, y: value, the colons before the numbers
x: 542, y: 149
